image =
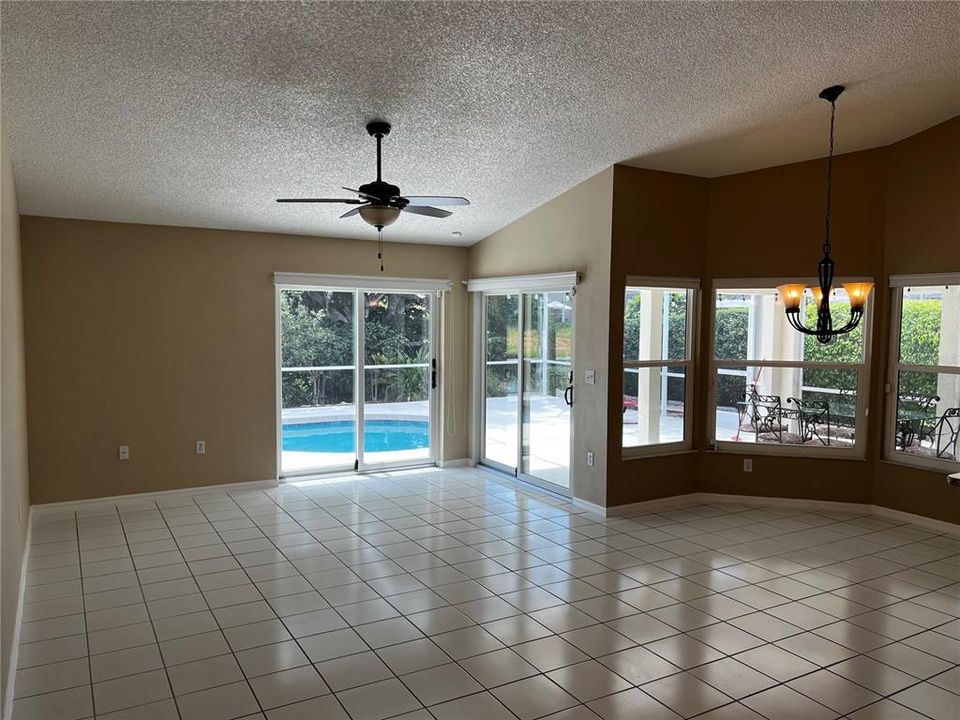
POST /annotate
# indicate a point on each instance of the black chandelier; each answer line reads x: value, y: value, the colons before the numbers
x: 857, y: 292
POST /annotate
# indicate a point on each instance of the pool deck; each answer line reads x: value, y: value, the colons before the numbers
x: 418, y: 410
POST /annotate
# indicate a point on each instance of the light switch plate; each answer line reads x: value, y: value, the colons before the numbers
x: 590, y: 377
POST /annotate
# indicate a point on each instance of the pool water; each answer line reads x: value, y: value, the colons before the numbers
x: 339, y: 436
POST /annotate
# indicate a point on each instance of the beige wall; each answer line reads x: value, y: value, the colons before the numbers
x: 570, y: 232
x: 659, y: 229
x: 156, y: 337
x: 13, y: 416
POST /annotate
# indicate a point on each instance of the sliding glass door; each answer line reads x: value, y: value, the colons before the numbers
x: 357, y: 375
x: 501, y: 437
x: 397, y: 378
x: 317, y: 379
x: 528, y: 393
x: 547, y: 387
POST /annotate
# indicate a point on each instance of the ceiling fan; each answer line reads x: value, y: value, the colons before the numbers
x: 380, y: 203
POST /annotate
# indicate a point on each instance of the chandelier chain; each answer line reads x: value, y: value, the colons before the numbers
x: 826, y: 241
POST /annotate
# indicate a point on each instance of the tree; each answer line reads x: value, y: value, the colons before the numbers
x: 315, y: 330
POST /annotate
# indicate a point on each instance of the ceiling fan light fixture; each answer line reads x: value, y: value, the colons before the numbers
x: 380, y: 216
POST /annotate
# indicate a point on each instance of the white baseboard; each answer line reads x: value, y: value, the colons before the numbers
x: 56, y: 507
x: 458, y: 462
x: 799, y: 503
x: 7, y: 712
x: 665, y: 503
x: 700, y: 498
x: 589, y: 506
x: 929, y: 523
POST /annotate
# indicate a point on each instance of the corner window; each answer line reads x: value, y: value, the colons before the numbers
x: 778, y: 390
x: 923, y: 417
x: 657, y: 366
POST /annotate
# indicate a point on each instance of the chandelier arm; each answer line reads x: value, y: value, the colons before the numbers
x: 855, y: 317
x: 793, y: 317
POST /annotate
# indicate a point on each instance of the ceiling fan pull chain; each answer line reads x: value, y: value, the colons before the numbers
x: 380, y: 247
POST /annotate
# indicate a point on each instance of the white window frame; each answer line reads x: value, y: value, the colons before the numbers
x: 858, y: 450
x: 897, y: 285
x: 692, y: 286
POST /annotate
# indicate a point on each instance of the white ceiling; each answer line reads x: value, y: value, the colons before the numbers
x: 200, y: 114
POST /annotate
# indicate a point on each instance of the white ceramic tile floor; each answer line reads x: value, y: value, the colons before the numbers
x: 453, y: 594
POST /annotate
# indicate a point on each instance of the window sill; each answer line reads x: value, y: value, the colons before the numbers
x: 772, y: 451
x: 631, y: 454
x: 928, y: 465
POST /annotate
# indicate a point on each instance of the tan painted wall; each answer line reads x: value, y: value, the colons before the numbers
x: 570, y: 232
x: 659, y: 229
x: 922, y: 235
x: 156, y: 337
x: 13, y: 413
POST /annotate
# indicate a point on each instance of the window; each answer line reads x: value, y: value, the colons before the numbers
x: 657, y: 365
x: 923, y: 415
x: 777, y: 389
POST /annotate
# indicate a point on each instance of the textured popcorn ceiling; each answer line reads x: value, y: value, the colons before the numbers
x: 201, y: 114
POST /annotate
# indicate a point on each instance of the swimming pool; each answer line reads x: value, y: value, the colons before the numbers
x: 340, y: 436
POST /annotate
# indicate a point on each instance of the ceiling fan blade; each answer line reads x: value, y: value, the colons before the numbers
x: 352, y: 212
x: 348, y: 201
x: 427, y: 210
x: 364, y: 195
x: 436, y: 200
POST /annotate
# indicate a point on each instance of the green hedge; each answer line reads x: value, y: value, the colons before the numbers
x: 921, y: 345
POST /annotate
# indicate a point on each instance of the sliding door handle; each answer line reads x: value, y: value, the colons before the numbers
x: 568, y: 395
x: 433, y: 373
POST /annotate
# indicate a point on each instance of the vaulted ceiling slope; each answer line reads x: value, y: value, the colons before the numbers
x: 200, y: 114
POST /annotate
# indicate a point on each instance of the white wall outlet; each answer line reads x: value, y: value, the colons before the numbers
x: 124, y: 453
x: 590, y: 377
x: 590, y: 459
x: 201, y: 447
x: 748, y: 464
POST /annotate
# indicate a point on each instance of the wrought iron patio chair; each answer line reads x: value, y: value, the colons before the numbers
x: 814, y: 416
x: 766, y: 415
x: 915, y: 430
x: 946, y: 432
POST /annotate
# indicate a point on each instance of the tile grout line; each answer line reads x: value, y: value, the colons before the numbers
x: 607, y: 594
